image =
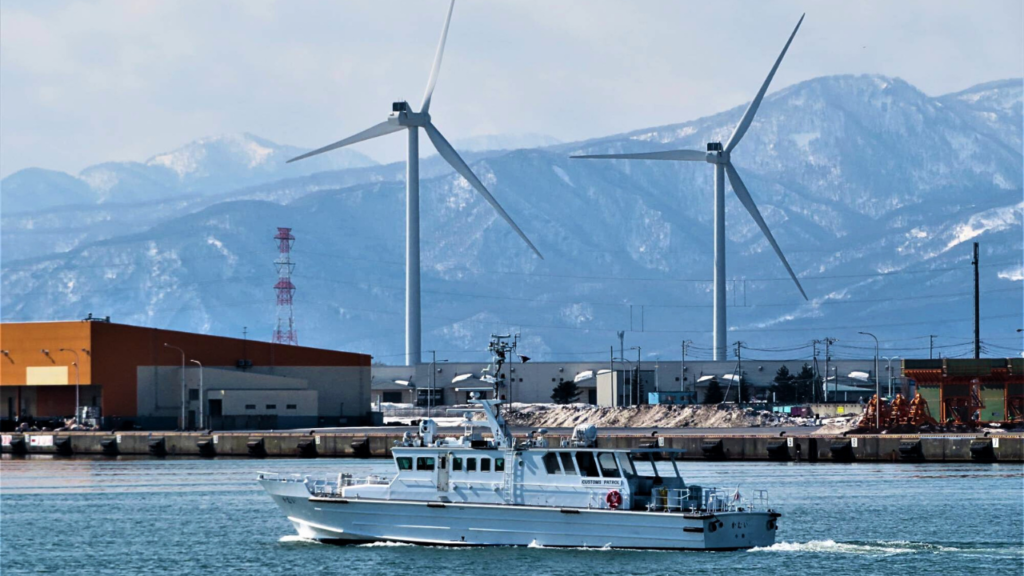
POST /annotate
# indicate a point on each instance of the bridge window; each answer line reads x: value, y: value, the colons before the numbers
x: 424, y: 463
x: 404, y: 463
x: 551, y: 463
x: 485, y: 464
x: 456, y: 464
x: 499, y: 464
x: 567, y: 464
x: 609, y: 469
x: 626, y: 462
x: 588, y: 467
x: 470, y: 464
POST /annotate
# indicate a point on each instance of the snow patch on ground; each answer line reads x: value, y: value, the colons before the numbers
x: 561, y: 174
x: 804, y: 139
x: 646, y: 416
x: 993, y: 220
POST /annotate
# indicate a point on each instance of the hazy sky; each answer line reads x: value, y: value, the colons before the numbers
x: 90, y: 81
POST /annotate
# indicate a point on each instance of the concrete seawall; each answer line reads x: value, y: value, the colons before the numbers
x: 1004, y: 447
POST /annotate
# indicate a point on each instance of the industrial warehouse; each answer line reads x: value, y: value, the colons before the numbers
x: 957, y: 391
x: 125, y: 377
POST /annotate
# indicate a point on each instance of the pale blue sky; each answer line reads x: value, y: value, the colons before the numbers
x: 90, y: 81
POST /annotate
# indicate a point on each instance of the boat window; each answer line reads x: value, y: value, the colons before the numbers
x: 627, y: 465
x: 587, y: 465
x: 609, y: 469
x: 485, y: 464
x: 499, y: 464
x: 470, y: 464
x: 567, y: 464
x: 424, y: 463
x: 551, y: 463
x: 404, y: 463
x: 456, y: 464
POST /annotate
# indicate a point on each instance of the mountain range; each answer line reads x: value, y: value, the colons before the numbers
x: 874, y: 190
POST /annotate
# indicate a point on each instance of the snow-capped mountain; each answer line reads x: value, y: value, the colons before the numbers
x: 206, y: 166
x: 873, y: 189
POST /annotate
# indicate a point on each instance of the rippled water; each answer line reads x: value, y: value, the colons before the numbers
x: 143, y: 516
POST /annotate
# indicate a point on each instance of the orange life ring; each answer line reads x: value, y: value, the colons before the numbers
x: 614, y: 499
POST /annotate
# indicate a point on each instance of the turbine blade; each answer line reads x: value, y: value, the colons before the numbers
x: 685, y: 155
x: 425, y: 107
x: 741, y: 192
x: 448, y: 153
x: 748, y: 116
x: 378, y: 130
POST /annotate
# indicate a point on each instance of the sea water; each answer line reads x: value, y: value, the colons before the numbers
x: 185, y: 516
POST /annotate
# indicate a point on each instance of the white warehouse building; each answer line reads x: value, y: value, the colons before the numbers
x: 534, y: 382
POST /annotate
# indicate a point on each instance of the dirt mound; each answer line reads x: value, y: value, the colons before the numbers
x: 661, y: 416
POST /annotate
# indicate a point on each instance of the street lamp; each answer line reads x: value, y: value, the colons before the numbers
x: 183, y: 421
x: 637, y: 348
x: 433, y: 378
x: 629, y: 363
x: 878, y: 392
x: 78, y: 382
x: 889, y: 370
x: 202, y: 399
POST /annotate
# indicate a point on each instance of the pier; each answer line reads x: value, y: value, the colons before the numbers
x: 706, y: 444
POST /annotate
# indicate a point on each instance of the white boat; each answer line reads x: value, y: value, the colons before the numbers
x: 490, y: 490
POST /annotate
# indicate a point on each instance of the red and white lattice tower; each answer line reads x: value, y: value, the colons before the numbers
x: 285, y: 331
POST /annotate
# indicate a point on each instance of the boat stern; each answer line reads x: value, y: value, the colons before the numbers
x: 741, y: 530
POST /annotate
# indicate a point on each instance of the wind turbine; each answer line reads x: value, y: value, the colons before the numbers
x: 403, y: 118
x: 720, y: 158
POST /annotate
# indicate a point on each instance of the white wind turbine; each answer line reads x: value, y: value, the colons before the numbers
x: 720, y: 157
x: 403, y: 118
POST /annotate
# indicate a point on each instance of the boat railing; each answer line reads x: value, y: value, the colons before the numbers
x: 701, y: 500
x: 327, y: 487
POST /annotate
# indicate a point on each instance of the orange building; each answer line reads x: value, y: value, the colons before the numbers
x: 135, y: 374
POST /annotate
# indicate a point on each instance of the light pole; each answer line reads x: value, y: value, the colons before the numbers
x: 889, y: 370
x: 202, y: 399
x: 878, y: 394
x: 183, y: 420
x: 78, y: 382
x: 682, y: 369
x: 433, y: 378
x: 623, y: 361
x: 637, y: 348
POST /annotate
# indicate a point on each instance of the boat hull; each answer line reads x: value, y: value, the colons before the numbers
x: 352, y: 520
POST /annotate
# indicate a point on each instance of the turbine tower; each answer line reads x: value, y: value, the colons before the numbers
x: 403, y: 118
x: 720, y: 158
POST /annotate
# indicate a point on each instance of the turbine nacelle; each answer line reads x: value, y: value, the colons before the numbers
x: 716, y: 154
x: 402, y: 115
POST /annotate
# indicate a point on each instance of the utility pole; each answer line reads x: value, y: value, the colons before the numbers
x: 682, y: 368
x: 739, y: 370
x: 637, y: 383
x: 814, y: 369
x: 931, y: 345
x: 977, y: 307
x: 828, y: 357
